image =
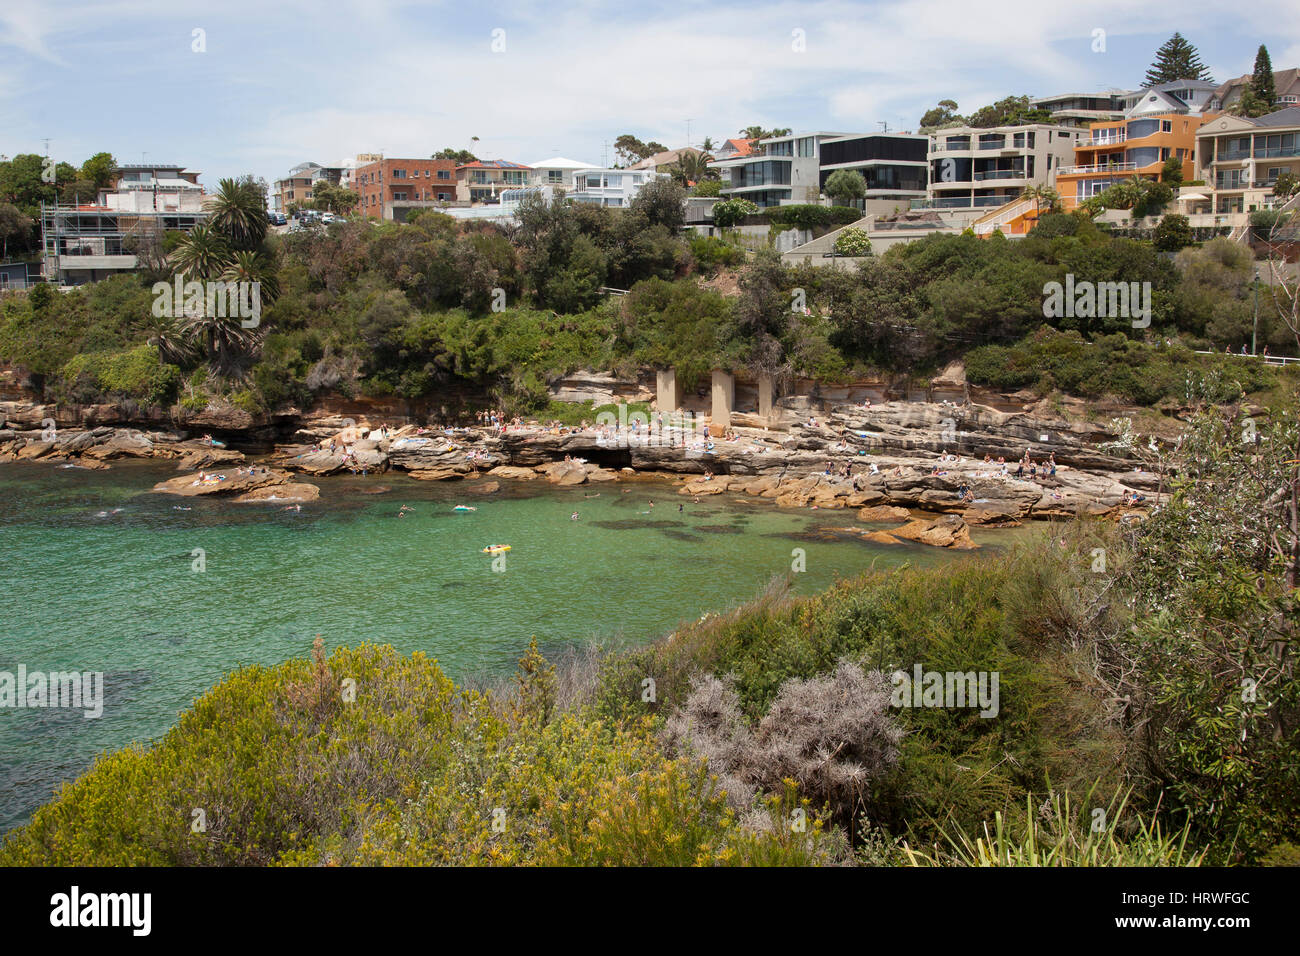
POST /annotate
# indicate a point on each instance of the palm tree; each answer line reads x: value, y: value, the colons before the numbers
x: 253, y: 267
x: 691, y: 167
x: 203, y: 252
x: 1043, y: 196
x: 238, y: 210
x: 227, y: 343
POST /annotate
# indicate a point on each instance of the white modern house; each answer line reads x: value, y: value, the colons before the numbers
x: 782, y: 169
x: 608, y: 187
x: 556, y: 171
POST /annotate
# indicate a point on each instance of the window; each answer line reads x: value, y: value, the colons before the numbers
x: 806, y: 146
x: 399, y: 196
x: 444, y: 174
x: 555, y: 177
x: 1289, y: 98
x: 1166, y: 126
x: 593, y: 182
x: 399, y: 174
x: 426, y: 174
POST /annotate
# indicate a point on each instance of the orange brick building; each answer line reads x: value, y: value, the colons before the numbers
x: 392, y: 188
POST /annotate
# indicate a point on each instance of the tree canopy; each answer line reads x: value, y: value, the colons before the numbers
x: 1176, y: 60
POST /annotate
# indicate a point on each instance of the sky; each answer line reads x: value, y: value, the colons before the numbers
x: 251, y: 86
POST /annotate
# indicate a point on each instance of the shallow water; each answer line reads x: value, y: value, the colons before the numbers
x: 88, y: 587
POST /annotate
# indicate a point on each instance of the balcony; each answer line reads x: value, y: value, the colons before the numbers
x: 1102, y: 168
x: 962, y: 202
x: 999, y: 174
x: 1277, y: 152
x: 997, y: 144
x: 1108, y: 140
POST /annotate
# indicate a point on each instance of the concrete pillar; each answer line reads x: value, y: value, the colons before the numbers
x: 766, y: 393
x: 724, y: 398
x: 668, y: 396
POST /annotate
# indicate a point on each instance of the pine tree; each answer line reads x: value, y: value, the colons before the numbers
x: 1176, y: 60
x: 1262, y: 82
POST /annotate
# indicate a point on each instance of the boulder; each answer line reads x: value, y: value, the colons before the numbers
x: 513, y: 472
x: 565, y: 473
x: 884, y: 513
x: 288, y: 492
x: 438, y: 474
x: 232, y: 482
x: 482, y: 487
x: 946, y: 531
x: 35, y: 449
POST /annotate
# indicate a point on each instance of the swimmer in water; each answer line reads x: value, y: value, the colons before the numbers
x: 681, y: 508
x: 574, y: 516
x: 294, y: 508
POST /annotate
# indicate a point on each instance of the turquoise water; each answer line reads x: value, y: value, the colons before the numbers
x: 91, y: 588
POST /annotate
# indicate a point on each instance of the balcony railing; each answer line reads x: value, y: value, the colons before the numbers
x: 1276, y: 152
x: 999, y: 174
x: 1101, y: 168
x: 962, y: 202
x: 1000, y: 144
x: 1108, y: 140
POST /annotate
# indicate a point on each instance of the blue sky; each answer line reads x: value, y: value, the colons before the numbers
x: 284, y: 81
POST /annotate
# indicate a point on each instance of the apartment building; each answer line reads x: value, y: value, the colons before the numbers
x: 1240, y: 159
x: 1081, y: 110
x: 91, y: 241
x: 296, y: 188
x: 894, y: 166
x: 392, y: 188
x: 350, y: 167
x: 980, y: 169
x: 483, y: 180
x: 609, y: 187
x: 1161, y: 125
x: 781, y: 169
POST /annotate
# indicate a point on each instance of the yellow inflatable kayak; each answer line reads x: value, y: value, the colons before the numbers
x: 496, y: 548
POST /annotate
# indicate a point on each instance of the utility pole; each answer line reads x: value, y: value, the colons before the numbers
x: 688, y: 133
x: 884, y: 127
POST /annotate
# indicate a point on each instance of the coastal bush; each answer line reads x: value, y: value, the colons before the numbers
x: 370, y: 757
x: 711, y: 253
x: 1212, y: 587
x: 999, y: 615
x: 136, y: 374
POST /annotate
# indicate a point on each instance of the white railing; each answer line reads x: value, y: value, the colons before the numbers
x: 1018, y: 207
x: 1100, y: 168
x: 1267, y: 359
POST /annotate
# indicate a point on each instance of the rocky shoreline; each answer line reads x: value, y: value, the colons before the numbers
x: 883, y: 461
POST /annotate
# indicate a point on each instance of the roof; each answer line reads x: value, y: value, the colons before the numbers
x: 743, y: 147
x: 493, y: 164
x: 560, y: 162
x: 664, y: 158
x: 1285, y: 117
x: 1283, y: 81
